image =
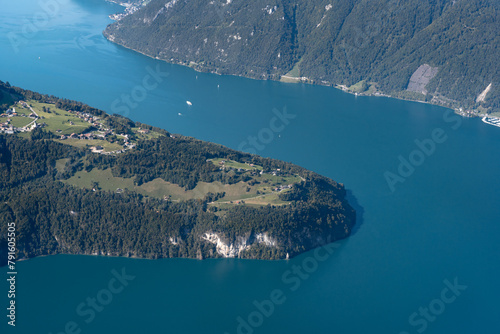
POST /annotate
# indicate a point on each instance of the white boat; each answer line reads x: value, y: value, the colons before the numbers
x: 179, y: 114
x: 189, y: 103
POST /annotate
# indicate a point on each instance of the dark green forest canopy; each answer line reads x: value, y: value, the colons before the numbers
x: 331, y: 42
x: 54, y: 216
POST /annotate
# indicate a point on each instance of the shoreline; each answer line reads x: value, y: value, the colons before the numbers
x: 304, y: 80
x: 134, y: 257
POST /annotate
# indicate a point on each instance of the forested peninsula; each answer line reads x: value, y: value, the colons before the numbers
x: 76, y: 180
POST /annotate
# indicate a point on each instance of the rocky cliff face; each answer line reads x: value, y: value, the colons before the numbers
x: 234, y: 249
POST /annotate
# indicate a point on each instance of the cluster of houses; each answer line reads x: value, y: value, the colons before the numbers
x: 75, y: 136
x: 91, y: 120
x: 283, y: 187
x: 467, y: 113
x: 87, y: 118
x: 102, y: 134
x: 87, y: 136
x: 222, y: 164
x: 100, y: 149
x: 7, y: 127
x: 9, y: 112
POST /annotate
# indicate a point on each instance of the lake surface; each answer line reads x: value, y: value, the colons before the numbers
x: 414, y: 239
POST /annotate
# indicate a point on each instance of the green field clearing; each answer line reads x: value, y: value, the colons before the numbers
x: 289, y: 79
x: 252, y: 200
x: 272, y: 199
x: 84, y: 143
x: 159, y: 188
x: 25, y: 135
x: 243, y: 191
x: 156, y: 188
x: 146, y: 136
x: 104, y: 178
x: 278, y: 180
x: 234, y: 164
x: 60, y: 164
x: 20, y: 110
x: 295, y: 72
x: 20, y: 122
x: 58, y: 119
x: 372, y: 89
x: 359, y: 87
x: 261, y: 193
x: 233, y: 191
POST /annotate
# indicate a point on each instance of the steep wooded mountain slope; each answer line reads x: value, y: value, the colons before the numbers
x: 331, y: 42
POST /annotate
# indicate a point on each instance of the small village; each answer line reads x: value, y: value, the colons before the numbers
x: 9, y: 128
x: 11, y: 122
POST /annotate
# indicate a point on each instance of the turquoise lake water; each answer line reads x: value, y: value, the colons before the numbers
x: 414, y: 239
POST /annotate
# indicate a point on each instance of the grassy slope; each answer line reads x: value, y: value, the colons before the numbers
x: 261, y: 193
x: 59, y: 119
x: 108, y: 147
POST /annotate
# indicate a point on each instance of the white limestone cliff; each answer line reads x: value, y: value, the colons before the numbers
x: 234, y: 249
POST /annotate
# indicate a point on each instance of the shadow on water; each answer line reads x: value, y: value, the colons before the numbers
x: 353, y: 201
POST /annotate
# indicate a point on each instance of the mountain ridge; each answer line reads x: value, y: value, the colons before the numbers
x: 377, y: 46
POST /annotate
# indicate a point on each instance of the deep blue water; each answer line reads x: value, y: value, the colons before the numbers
x: 440, y: 224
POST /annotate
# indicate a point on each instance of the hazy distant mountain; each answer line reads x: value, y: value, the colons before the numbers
x: 440, y: 50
